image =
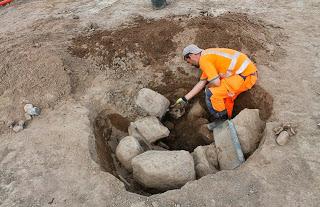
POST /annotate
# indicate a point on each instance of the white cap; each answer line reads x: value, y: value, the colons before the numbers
x: 194, y: 49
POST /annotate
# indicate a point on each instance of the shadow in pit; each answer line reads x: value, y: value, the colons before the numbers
x: 255, y: 98
x: 102, y: 132
x: 183, y: 134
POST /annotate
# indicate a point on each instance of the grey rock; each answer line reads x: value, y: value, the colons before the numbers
x: 148, y: 127
x: 227, y: 155
x: 31, y: 110
x: 163, y: 170
x: 204, y: 165
x: 212, y: 155
x: 139, y: 204
x: 127, y: 149
x: 27, y: 107
x: 283, y: 138
x: 249, y: 128
x: 152, y: 102
x: 133, y: 131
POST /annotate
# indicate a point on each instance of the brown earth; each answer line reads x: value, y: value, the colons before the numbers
x: 149, y: 40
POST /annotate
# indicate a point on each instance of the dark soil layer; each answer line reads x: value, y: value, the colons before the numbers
x: 149, y: 40
x: 255, y: 98
x: 119, y: 122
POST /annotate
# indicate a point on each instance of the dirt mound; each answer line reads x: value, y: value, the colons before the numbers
x: 36, y: 76
x: 150, y: 40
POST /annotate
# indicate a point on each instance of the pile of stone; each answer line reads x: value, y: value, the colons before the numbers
x: 283, y: 133
x: 151, y: 165
x: 157, y: 168
x: 30, y: 112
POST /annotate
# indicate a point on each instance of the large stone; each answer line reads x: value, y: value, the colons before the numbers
x: 148, y: 127
x: 212, y: 155
x: 152, y: 102
x: 203, y: 164
x: 227, y: 155
x: 249, y: 128
x: 127, y: 149
x: 283, y: 138
x: 163, y: 170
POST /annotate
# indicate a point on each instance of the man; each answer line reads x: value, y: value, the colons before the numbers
x: 225, y: 74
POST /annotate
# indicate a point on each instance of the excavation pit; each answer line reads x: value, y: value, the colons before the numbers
x: 185, y: 134
x: 142, y: 53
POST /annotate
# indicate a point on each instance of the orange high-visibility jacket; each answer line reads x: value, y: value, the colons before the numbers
x: 217, y: 62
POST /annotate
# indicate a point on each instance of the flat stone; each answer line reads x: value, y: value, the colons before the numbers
x: 152, y: 102
x: 212, y: 155
x: 163, y: 170
x: 148, y: 127
x: 283, y: 138
x: 203, y: 165
x: 127, y: 149
x: 27, y: 107
x: 227, y: 155
x: 249, y: 128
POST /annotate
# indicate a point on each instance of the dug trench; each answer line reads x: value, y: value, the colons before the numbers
x: 149, y: 45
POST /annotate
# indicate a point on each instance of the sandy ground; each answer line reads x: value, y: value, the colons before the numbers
x: 53, y: 161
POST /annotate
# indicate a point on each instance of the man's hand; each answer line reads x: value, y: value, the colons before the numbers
x: 181, y: 101
x: 179, y: 108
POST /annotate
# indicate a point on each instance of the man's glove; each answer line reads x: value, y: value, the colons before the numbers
x: 181, y: 101
x: 178, y: 109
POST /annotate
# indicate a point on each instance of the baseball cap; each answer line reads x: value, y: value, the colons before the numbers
x: 194, y: 49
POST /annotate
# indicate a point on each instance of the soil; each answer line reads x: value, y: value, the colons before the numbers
x: 119, y: 122
x: 149, y: 40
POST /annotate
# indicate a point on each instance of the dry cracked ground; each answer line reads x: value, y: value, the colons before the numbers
x: 75, y: 59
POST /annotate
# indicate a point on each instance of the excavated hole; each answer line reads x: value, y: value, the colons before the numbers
x: 151, y: 43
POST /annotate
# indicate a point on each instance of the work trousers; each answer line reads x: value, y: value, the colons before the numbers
x: 218, y: 98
